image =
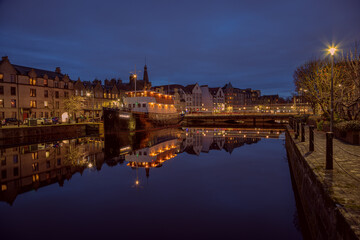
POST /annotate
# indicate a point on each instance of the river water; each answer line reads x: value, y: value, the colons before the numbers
x: 168, y: 184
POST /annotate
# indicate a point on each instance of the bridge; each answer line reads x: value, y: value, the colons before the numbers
x: 236, y: 118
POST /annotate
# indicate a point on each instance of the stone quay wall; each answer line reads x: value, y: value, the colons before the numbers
x: 324, y: 219
x: 24, y: 135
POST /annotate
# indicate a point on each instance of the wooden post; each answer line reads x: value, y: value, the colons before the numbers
x: 329, y: 150
x: 311, y: 138
x: 302, y: 132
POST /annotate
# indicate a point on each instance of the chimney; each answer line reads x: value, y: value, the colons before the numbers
x: 5, y: 59
x: 57, y: 70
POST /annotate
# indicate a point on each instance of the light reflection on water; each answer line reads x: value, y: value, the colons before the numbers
x: 172, y: 183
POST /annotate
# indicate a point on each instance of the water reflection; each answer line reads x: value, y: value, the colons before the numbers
x: 30, y: 167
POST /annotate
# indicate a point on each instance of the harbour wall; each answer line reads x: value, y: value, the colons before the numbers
x: 27, y: 135
x: 323, y: 217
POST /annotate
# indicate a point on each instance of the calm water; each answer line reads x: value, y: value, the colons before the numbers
x: 168, y: 184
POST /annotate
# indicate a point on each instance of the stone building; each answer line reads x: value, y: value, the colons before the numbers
x: 29, y: 92
x: 218, y: 97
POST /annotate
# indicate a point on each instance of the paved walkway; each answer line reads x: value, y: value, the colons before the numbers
x: 343, y: 182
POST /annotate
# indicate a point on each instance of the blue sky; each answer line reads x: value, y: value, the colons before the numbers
x: 256, y: 44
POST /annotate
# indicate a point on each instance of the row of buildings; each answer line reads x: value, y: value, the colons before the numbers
x: 29, y: 92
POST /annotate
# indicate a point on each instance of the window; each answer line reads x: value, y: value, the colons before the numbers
x: 66, y: 86
x: 66, y: 94
x: 57, y: 94
x: 12, y: 78
x: 33, y: 104
x: 13, y: 103
x: 46, y: 104
x: 1, y: 102
x: 129, y: 105
x: 16, y: 171
x: 56, y: 84
x: 32, y: 92
x: 32, y: 81
x: 15, y: 159
x: 34, y: 155
x: 35, y: 166
x: 46, y: 93
x: 76, y: 92
x: 81, y: 92
x: 13, y: 91
x: 47, y: 164
x: 45, y: 82
x: 41, y: 114
x: 57, y: 105
x: 3, y: 174
x: 1, y: 90
x: 46, y: 114
x: 2, y: 115
x: 104, y: 95
x: 144, y: 104
x: 3, y: 162
x: 1, y: 77
x: 58, y: 161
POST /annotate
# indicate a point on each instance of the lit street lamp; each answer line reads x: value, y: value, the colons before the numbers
x: 332, y: 51
x: 88, y: 94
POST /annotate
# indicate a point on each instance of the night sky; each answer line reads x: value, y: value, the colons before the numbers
x: 252, y: 43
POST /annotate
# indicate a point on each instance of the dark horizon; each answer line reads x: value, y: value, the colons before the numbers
x: 254, y: 45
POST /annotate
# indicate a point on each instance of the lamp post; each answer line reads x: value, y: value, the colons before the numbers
x: 88, y: 94
x: 332, y: 51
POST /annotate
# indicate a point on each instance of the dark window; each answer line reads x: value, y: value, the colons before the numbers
x: 46, y: 93
x: 56, y: 84
x: 13, y: 90
x: 47, y: 164
x: 133, y: 105
x: 144, y: 105
x: 56, y: 94
x: 16, y: 171
x: 58, y: 161
x: 129, y: 105
x: 1, y: 90
x: 3, y: 162
x: 3, y: 174
x: 66, y: 94
x: 15, y: 158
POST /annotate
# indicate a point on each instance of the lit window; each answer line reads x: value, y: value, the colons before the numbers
x: 46, y: 104
x: 32, y: 81
x: 13, y: 103
x: 34, y: 156
x: 1, y: 102
x: 32, y: 92
x: 33, y: 104
x: 45, y: 82
x: 1, y: 77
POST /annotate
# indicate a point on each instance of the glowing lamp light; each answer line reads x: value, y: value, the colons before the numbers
x: 332, y: 50
x: 137, y: 182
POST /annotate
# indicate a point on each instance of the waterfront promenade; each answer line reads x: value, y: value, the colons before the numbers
x: 342, y: 183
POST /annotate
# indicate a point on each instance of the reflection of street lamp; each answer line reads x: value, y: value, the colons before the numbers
x: 88, y: 94
x: 332, y: 51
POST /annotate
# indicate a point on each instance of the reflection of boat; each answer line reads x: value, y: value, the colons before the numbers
x: 153, y: 156
x: 143, y: 110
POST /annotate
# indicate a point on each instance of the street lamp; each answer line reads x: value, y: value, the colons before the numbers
x: 332, y: 51
x: 88, y: 94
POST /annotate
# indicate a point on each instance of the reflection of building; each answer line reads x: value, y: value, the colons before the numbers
x: 24, y: 168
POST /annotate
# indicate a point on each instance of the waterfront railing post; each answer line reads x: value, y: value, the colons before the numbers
x: 329, y: 150
x: 302, y: 132
x: 311, y: 138
x: 296, y: 129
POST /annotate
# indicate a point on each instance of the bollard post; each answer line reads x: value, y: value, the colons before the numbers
x: 291, y: 122
x: 302, y: 132
x: 311, y: 138
x: 296, y: 129
x: 329, y: 150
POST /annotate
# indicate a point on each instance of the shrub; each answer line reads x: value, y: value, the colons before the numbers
x: 352, y: 125
x: 320, y: 125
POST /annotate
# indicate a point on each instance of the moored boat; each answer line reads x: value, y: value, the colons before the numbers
x: 142, y: 110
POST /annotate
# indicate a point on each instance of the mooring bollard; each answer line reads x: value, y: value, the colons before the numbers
x: 311, y: 138
x: 329, y: 150
x: 302, y: 132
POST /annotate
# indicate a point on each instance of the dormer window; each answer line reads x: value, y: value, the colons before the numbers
x: 56, y: 84
x: 32, y: 81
